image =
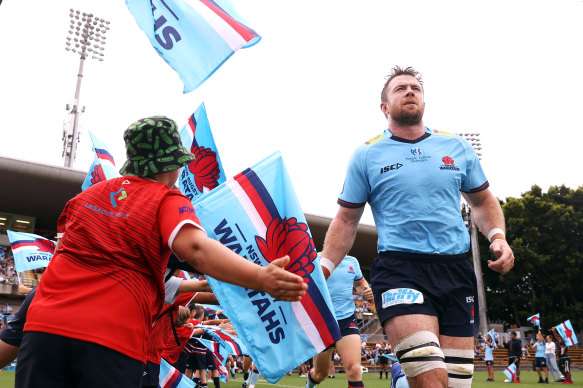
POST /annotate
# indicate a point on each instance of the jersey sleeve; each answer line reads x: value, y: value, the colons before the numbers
x: 63, y: 220
x: 175, y: 212
x: 356, y: 188
x: 357, y: 270
x: 171, y: 288
x: 474, y: 179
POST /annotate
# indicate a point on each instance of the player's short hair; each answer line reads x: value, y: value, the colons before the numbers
x: 512, y: 333
x: 397, y: 71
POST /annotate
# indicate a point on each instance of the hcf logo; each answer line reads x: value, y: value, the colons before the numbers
x: 121, y: 193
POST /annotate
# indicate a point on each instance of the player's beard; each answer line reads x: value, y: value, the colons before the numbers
x: 405, y: 117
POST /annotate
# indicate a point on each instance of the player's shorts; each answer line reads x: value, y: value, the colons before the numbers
x: 515, y: 360
x: 151, y: 375
x: 489, y: 362
x: 180, y: 364
x: 383, y: 360
x: 196, y: 361
x: 438, y: 285
x: 88, y: 364
x: 210, y: 361
x: 565, y: 365
x: 540, y: 362
x: 348, y: 326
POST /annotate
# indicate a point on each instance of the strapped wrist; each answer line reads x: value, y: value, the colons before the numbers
x: 495, y: 231
x: 328, y: 264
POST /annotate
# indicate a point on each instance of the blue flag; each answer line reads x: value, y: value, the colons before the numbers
x: 510, y: 372
x: 30, y: 251
x: 103, y: 167
x: 171, y: 378
x: 257, y: 215
x: 232, y: 344
x: 493, y: 336
x: 535, y: 319
x: 195, y: 37
x: 566, y: 332
x: 206, y: 171
x: 220, y: 355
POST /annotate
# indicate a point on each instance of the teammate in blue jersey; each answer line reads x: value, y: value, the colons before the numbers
x: 423, y: 283
x: 340, y: 284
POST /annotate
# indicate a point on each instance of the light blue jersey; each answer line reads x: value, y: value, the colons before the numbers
x: 340, y: 285
x: 413, y: 188
x: 488, y: 353
x: 540, y: 349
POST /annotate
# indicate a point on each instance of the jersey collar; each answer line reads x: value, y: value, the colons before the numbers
x: 387, y: 132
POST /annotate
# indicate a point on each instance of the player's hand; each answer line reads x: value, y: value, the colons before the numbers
x: 367, y: 293
x: 505, y: 257
x: 281, y: 284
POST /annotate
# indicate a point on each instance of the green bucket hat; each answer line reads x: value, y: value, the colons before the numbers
x: 153, y: 146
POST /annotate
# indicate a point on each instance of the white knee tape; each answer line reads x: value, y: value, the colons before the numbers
x: 460, y: 367
x: 419, y: 353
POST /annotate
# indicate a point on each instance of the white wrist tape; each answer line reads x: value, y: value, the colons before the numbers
x: 494, y: 231
x: 327, y: 263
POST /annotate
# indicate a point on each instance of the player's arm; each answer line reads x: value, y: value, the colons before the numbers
x: 340, y: 236
x: 363, y: 288
x: 205, y: 298
x: 210, y: 257
x: 194, y: 286
x: 489, y: 218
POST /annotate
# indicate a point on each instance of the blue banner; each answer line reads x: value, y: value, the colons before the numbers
x: 257, y: 215
x: 30, y: 251
x: 206, y: 171
x: 194, y: 37
x: 103, y: 167
x: 535, y: 319
x: 566, y: 332
x: 171, y: 378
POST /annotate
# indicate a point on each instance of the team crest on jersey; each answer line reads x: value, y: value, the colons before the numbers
x: 374, y: 139
x: 448, y: 164
x: 416, y: 151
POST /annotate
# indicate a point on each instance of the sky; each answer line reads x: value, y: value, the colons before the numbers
x: 507, y: 69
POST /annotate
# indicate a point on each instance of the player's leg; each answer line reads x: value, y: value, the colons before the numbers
x: 320, y: 370
x: 246, y: 366
x: 253, y: 376
x: 459, y: 360
x: 349, y: 351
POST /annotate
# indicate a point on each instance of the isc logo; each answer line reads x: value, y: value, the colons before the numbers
x: 168, y: 36
x: 395, y: 166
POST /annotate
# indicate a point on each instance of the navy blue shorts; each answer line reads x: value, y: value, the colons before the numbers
x: 348, y: 326
x: 540, y: 362
x: 443, y: 286
x: 489, y: 362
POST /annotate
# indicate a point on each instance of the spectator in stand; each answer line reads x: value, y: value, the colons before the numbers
x: 540, y: 361
x: 551, y: 357
x: 514, y: 347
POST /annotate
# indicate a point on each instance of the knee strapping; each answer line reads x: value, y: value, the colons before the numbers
x: 419, y: 353
x: 460, y: 367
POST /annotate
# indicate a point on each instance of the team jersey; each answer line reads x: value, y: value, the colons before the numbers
x: 340, y: 285
x: 488, y: 352
x: 540, y: 349
x: 105, y: 282
x: 413, y: 188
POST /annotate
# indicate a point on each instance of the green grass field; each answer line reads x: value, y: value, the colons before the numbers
x: 371, y: 380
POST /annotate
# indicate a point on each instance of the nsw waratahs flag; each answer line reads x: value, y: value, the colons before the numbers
x: 172, y: 378
x: 535, y: 319
x: 30, y: 251
x: 510, y: 372
x: 195, y: 37
x: 258, y: 216
x: 566, y: 332
x: 232, y: 344
x: 220, y: 355
x: 493, y: 336
x: 103, y: 167
x: 206, y: 171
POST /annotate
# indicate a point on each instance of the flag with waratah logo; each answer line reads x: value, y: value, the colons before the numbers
x: 535, y: 319
x: 493, y: 335
x: 103, y: 167
x: 206, y: 171
x: 510, y: 372
x: 195, y: 37
x: 258, y: 216
x: 231, y: 343
x: 172, y: 378
x: 567, y: 333
x: 220, y: 356
x: 30, y: 251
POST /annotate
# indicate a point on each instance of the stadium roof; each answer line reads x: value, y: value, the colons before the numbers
x: 42, y: 190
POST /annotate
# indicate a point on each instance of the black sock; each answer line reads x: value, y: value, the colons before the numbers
x: 381, y: 375
x: 355, y: 384
x: 196, y: 381
x: 386, y: 375
x: 245, y: 375
x: 217, y: 382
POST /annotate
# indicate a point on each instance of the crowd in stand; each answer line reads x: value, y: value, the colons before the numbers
x: 362, y: 305
x: 8, y: 274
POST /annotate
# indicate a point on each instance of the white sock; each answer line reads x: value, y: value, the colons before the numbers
x: 253, y: 377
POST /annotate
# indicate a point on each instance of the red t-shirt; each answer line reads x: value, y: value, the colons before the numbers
x: 105, y: 282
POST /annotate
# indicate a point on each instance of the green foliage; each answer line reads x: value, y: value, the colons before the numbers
x: 545, y: 231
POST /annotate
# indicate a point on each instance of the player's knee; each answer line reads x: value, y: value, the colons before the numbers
x: 353, y: 371
x: 460, y: 367
x: 419, y: 353
x: 317, y: 376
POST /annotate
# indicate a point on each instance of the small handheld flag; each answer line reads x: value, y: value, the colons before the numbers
x: 567, y: 333
x: 535, y: 319
x: 493, y: 335
x: 30, y: 251
x: 172, y: 378
x: 195, y: 37
x: 206, y: 171
x: 510, y: 372
x: 103, y: 167
x: 257, y: 215
x: 220, y: 356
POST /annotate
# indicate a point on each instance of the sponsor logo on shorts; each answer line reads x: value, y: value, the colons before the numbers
x: 401, y: 296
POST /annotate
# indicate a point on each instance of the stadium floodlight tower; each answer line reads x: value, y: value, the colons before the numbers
x: 87, y: 39
x: 474, y: 140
